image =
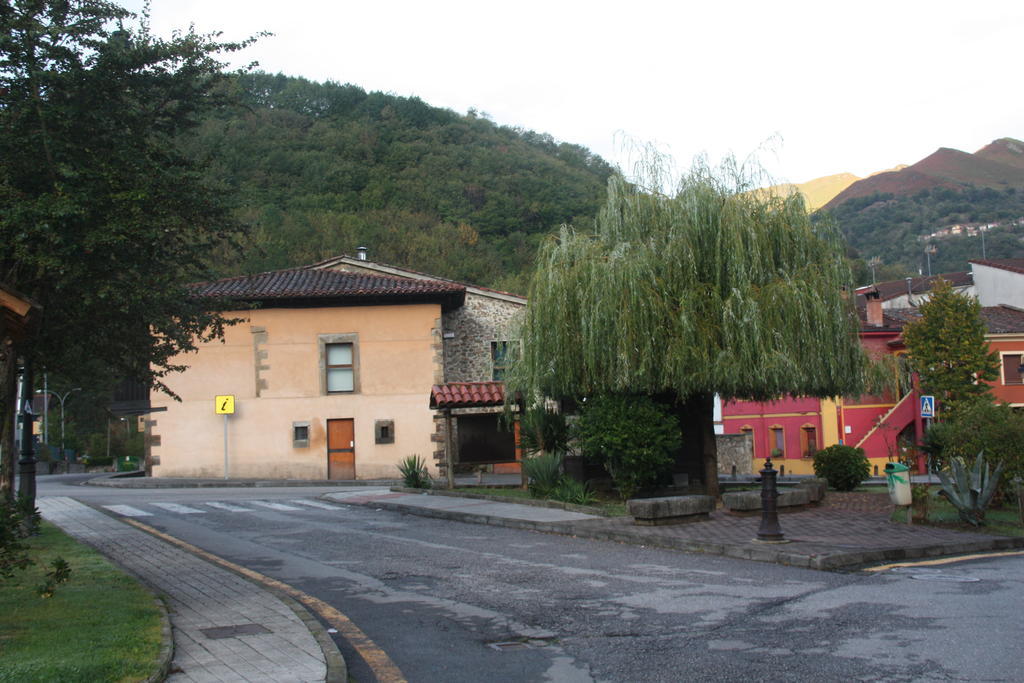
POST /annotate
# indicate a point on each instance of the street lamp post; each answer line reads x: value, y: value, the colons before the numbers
x: 27, y: 462
x: 61, y: 397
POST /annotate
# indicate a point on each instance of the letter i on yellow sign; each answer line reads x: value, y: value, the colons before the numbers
x: 225, y: 405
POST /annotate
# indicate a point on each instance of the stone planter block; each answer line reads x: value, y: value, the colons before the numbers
x: 670, y: 510
x: 794, y: 497
x: 742, y: 501
x: 815, y: 487
x: 750, y: 501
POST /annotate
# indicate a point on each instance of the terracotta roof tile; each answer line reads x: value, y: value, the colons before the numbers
x: 467, y: 394
x: 1003, y: 319
x: 307, y: 283
x: 998, y: 319
x: 360, y: 263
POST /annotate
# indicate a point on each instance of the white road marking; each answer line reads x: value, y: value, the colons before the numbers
x: 128, y: 511
x: 316, y: 504
x: 272, y: 506
x: 180, y: 509
x: 229, y: 507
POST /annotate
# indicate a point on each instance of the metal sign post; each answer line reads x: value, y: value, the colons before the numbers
x: 928, y: 407
x: 225, y: 405
x: 928, y: 414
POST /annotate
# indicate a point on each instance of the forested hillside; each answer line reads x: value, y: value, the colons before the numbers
x: 319, y: 169
x: 944, y: 203
x: 893, y: 228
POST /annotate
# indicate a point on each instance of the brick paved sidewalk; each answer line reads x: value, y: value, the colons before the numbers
x: 201, y: 596
x: 858, y: 501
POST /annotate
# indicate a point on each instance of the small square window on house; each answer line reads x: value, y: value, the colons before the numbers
x: 300, y: 435
x: 340, y: 371
x: 503, y: 353
x: 384, y: 431
x: 1011, y: 368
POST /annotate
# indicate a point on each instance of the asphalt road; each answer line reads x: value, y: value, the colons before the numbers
x: 458, y: 602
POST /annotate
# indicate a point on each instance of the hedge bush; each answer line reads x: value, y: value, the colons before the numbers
x: 845, y: 467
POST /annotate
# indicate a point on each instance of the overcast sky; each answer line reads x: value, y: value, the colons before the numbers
x: 819, y: 87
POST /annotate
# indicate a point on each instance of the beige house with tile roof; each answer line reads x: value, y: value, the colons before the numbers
x: 330, y: 372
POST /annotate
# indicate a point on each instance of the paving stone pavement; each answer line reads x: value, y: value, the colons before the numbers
x: 858, y: 501
x: 845, y: 535
x: 201, y: 596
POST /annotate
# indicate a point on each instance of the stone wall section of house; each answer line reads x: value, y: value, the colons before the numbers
x: 259, y: 339
x: 467, y: 331
x: 735, y: 450
x: 437, y: 346
x: 482, y: 320
x: 438, y: 438
x: 149, y: 439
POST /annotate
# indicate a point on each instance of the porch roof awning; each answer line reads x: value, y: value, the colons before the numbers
x: 467, y: 394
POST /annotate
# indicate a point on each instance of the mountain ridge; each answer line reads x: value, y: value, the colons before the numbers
x: 998, y: 165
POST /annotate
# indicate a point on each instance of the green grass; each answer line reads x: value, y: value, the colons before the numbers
x: 611, y: 508
x: 1002, y: 521
x: 871, y: 488
x: 99, y: 626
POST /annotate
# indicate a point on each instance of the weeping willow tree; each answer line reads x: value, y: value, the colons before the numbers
x: 712, y: 288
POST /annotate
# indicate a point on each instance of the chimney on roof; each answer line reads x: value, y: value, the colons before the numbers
x: 361, y: 253
x: 874, y: 307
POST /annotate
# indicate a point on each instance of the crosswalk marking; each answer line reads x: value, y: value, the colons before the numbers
x: 128, y: 511
x: 229, y: 507
x: 315, y: 504
x: 273, y: 506
x: 181, y: 509
x: 295, y: 505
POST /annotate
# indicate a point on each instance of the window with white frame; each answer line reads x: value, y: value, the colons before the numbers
x: 340, y: 369
x: 339, y: 363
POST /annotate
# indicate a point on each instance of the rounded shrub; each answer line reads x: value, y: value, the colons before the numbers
x: 845, y: 467
x: 634, y: 437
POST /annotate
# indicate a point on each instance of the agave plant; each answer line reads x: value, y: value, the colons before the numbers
x: 970, y: 492
x: 414, y: 472
x: 544, y: 473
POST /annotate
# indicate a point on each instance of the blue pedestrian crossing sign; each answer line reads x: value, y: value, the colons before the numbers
x: 927, y: 406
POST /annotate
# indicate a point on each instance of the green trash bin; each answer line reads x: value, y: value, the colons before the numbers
x: 897, y: 476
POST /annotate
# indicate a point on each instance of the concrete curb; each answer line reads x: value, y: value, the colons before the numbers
x: 550, y: 504
x: 337, y: 668
x: 169, y: 483
x: 166, y: 655
x: 564, y: 528
x: 778, y: 554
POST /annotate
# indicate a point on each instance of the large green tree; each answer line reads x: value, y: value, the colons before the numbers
x: 711, y: 288
x: 102, y: 219
x: 947, y: 349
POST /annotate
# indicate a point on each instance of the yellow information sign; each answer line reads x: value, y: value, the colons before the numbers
x: 225, y: 405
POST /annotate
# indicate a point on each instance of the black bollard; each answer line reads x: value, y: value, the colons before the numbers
x: 770, y: 529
